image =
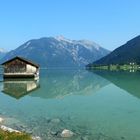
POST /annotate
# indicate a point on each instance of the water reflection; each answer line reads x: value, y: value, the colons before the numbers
x: 18, y: 88
x: 60, y: 83
x: 124, y: 80
x: 104, y: 114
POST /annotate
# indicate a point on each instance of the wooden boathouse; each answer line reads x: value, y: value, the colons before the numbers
x: 19, y: 67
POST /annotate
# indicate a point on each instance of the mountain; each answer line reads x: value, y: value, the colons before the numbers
x: 58, y: 52
x: 129, y: 52
x: 2, y: 53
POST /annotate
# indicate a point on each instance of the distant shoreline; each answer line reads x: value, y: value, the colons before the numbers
x: 117, y: 67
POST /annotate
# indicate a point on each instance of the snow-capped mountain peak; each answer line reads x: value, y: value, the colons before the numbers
x: 62, y: 38
x: 2, y: 50
x: 89, y: 44
x: 86, y: 43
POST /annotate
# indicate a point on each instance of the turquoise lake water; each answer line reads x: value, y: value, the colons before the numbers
x: 96, y: 105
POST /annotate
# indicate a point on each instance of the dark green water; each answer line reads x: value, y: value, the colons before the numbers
x: 94, y: 105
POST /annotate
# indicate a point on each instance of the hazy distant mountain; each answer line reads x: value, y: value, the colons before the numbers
x: 59, y: 52
x: 129, y: 52
x: 2, y: 53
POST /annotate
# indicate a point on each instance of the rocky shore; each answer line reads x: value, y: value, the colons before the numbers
x: 51, y: 129
x: 12, y: 131
x: 65, y: 133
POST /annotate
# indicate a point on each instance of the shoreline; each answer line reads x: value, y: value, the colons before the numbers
x: 13, y: 133
x: 114, y: 67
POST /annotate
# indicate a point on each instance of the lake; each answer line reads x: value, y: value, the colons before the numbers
x: 99, y: 105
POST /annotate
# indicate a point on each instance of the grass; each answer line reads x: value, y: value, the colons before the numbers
x: 4, y: 135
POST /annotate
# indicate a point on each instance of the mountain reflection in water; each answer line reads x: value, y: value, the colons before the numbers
x: 91, y: 104
x: 18, y: 88
x: 60, y: 83
x: 128, y: 81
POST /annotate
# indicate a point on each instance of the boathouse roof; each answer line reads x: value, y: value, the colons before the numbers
x: 22, y: 59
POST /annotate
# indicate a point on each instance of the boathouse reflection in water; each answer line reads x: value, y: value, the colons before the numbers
x: 18, y: 88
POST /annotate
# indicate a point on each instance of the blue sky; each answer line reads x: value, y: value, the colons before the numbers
x: 109, y: 23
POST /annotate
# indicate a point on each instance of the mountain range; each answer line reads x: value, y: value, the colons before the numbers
x: 58, y: 52
x: 127, y: 53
